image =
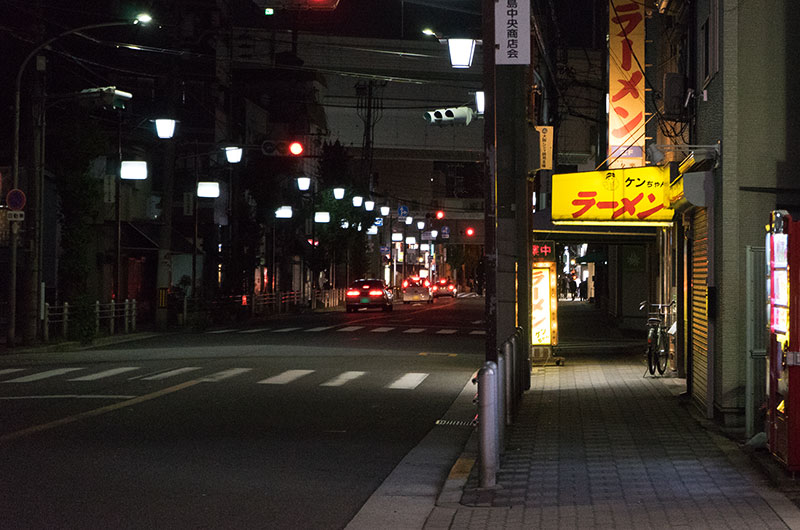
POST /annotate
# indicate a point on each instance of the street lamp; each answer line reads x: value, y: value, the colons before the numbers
x: 385, y: 210
x: 12, y: 299
x: 358, y: 200
x: 233, y: 154
x: 338, y: 193
x: 165, y: 128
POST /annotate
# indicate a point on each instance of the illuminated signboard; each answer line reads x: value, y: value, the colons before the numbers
x: 778, y: 284
x: 634, y: 196
x: 543, y: 305
x: 544, y: 250
x: 626, y: 83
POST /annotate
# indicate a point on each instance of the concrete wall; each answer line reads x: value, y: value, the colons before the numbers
x: 745, y: 108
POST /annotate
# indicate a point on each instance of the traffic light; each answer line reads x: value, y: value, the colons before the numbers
x: 440, y: 214
x: 298, y: 5
x: 282, y: 148
x: 450, y: 116
x: 469, y: 231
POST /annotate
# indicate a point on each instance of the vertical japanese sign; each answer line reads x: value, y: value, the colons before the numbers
x: 543, y: 304
x: 626, y: 84
x: 545, y: 146
x: 512, y: 32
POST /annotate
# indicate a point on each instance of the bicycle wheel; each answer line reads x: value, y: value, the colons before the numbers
x: 651, y: 351
x: 662, y: 352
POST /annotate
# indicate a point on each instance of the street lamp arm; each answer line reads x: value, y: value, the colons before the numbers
x: 18, y: 84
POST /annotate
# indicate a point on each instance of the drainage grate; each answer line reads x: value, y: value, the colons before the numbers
x: 454, y: 423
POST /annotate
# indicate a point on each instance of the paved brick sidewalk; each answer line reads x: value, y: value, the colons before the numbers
x: 597, y: 445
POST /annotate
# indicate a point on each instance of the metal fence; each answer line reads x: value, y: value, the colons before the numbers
x: 112, y: 317
x: 201, y: 312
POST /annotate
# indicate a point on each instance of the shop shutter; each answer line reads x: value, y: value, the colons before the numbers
x: 698, y: 300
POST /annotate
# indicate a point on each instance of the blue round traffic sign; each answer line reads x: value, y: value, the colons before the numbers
x: 15, y: 199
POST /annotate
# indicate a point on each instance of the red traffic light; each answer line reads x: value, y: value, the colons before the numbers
x: 439, y: 214
x: 469, y: 231
x: 296, y: 149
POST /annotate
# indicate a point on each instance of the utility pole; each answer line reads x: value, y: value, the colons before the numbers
x: 490, y: 180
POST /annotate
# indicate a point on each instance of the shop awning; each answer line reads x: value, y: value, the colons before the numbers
x: 694, y: 188
x: 695, y: 183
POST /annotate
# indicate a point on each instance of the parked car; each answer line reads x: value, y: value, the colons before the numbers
x: 444, y: 287
x: 368, y: 293
x: 416, y: 289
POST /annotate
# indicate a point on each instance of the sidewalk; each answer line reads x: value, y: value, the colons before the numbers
x: 597, y: 445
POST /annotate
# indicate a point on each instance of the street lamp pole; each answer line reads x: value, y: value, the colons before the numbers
x: 12, y: 299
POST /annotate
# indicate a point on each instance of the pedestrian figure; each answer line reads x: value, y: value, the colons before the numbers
x: 583, y: 289
x: 573, y: 288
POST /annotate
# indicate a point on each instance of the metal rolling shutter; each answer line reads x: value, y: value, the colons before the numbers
x: 698, y: 318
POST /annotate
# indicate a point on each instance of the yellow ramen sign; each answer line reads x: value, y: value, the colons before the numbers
x: 633, y: 196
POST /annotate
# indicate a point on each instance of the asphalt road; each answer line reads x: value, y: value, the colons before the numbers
x: 292, y: 422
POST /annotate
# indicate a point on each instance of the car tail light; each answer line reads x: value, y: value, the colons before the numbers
x: 376, y: 292
x: 405, y: 284
x: 451, y: 287
x: 353, y: 292
x: 435, y: 287
x: 427, y: 283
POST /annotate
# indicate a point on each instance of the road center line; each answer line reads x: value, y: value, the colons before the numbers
x: 96, y: 412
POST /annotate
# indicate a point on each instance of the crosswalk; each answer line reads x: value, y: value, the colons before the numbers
x: 352, y: 329
x: 12, y: 377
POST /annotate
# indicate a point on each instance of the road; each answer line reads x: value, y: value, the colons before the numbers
x: 289, y: 423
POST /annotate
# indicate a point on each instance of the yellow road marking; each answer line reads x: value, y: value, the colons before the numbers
x: 462, y: 468
x: 96, y: 412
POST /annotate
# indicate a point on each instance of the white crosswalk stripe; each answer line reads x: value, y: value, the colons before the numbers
x: 343, y: 378
x: 414, y: 330
x: 105, y: 373
x: 286, y: 377
x: 447, y: 331
x: 42, y: 375
x: 225, y: 374
x: 381, y: 330
x: 284, y: 330
x: 351, y: 328
x: 255, y: 330
x: 11, y: 370
x: 408, y: 381
x: 171, y: 373
x: 477, y: 332
x: 218, y: 331
x: 319, y: 328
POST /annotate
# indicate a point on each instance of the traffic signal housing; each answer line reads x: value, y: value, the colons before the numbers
x: 298, y: 5
x: 282, y: 148
x: 450, y: 116
x: 469, y: 231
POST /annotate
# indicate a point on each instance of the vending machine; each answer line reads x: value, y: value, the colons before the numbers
x: 783, y: 360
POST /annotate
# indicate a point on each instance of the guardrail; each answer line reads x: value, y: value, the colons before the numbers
x: 57, y: 318
x: 255, y: 305
x: 500, y: 389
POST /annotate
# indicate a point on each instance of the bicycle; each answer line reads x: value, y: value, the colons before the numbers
x: 657, y: 339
